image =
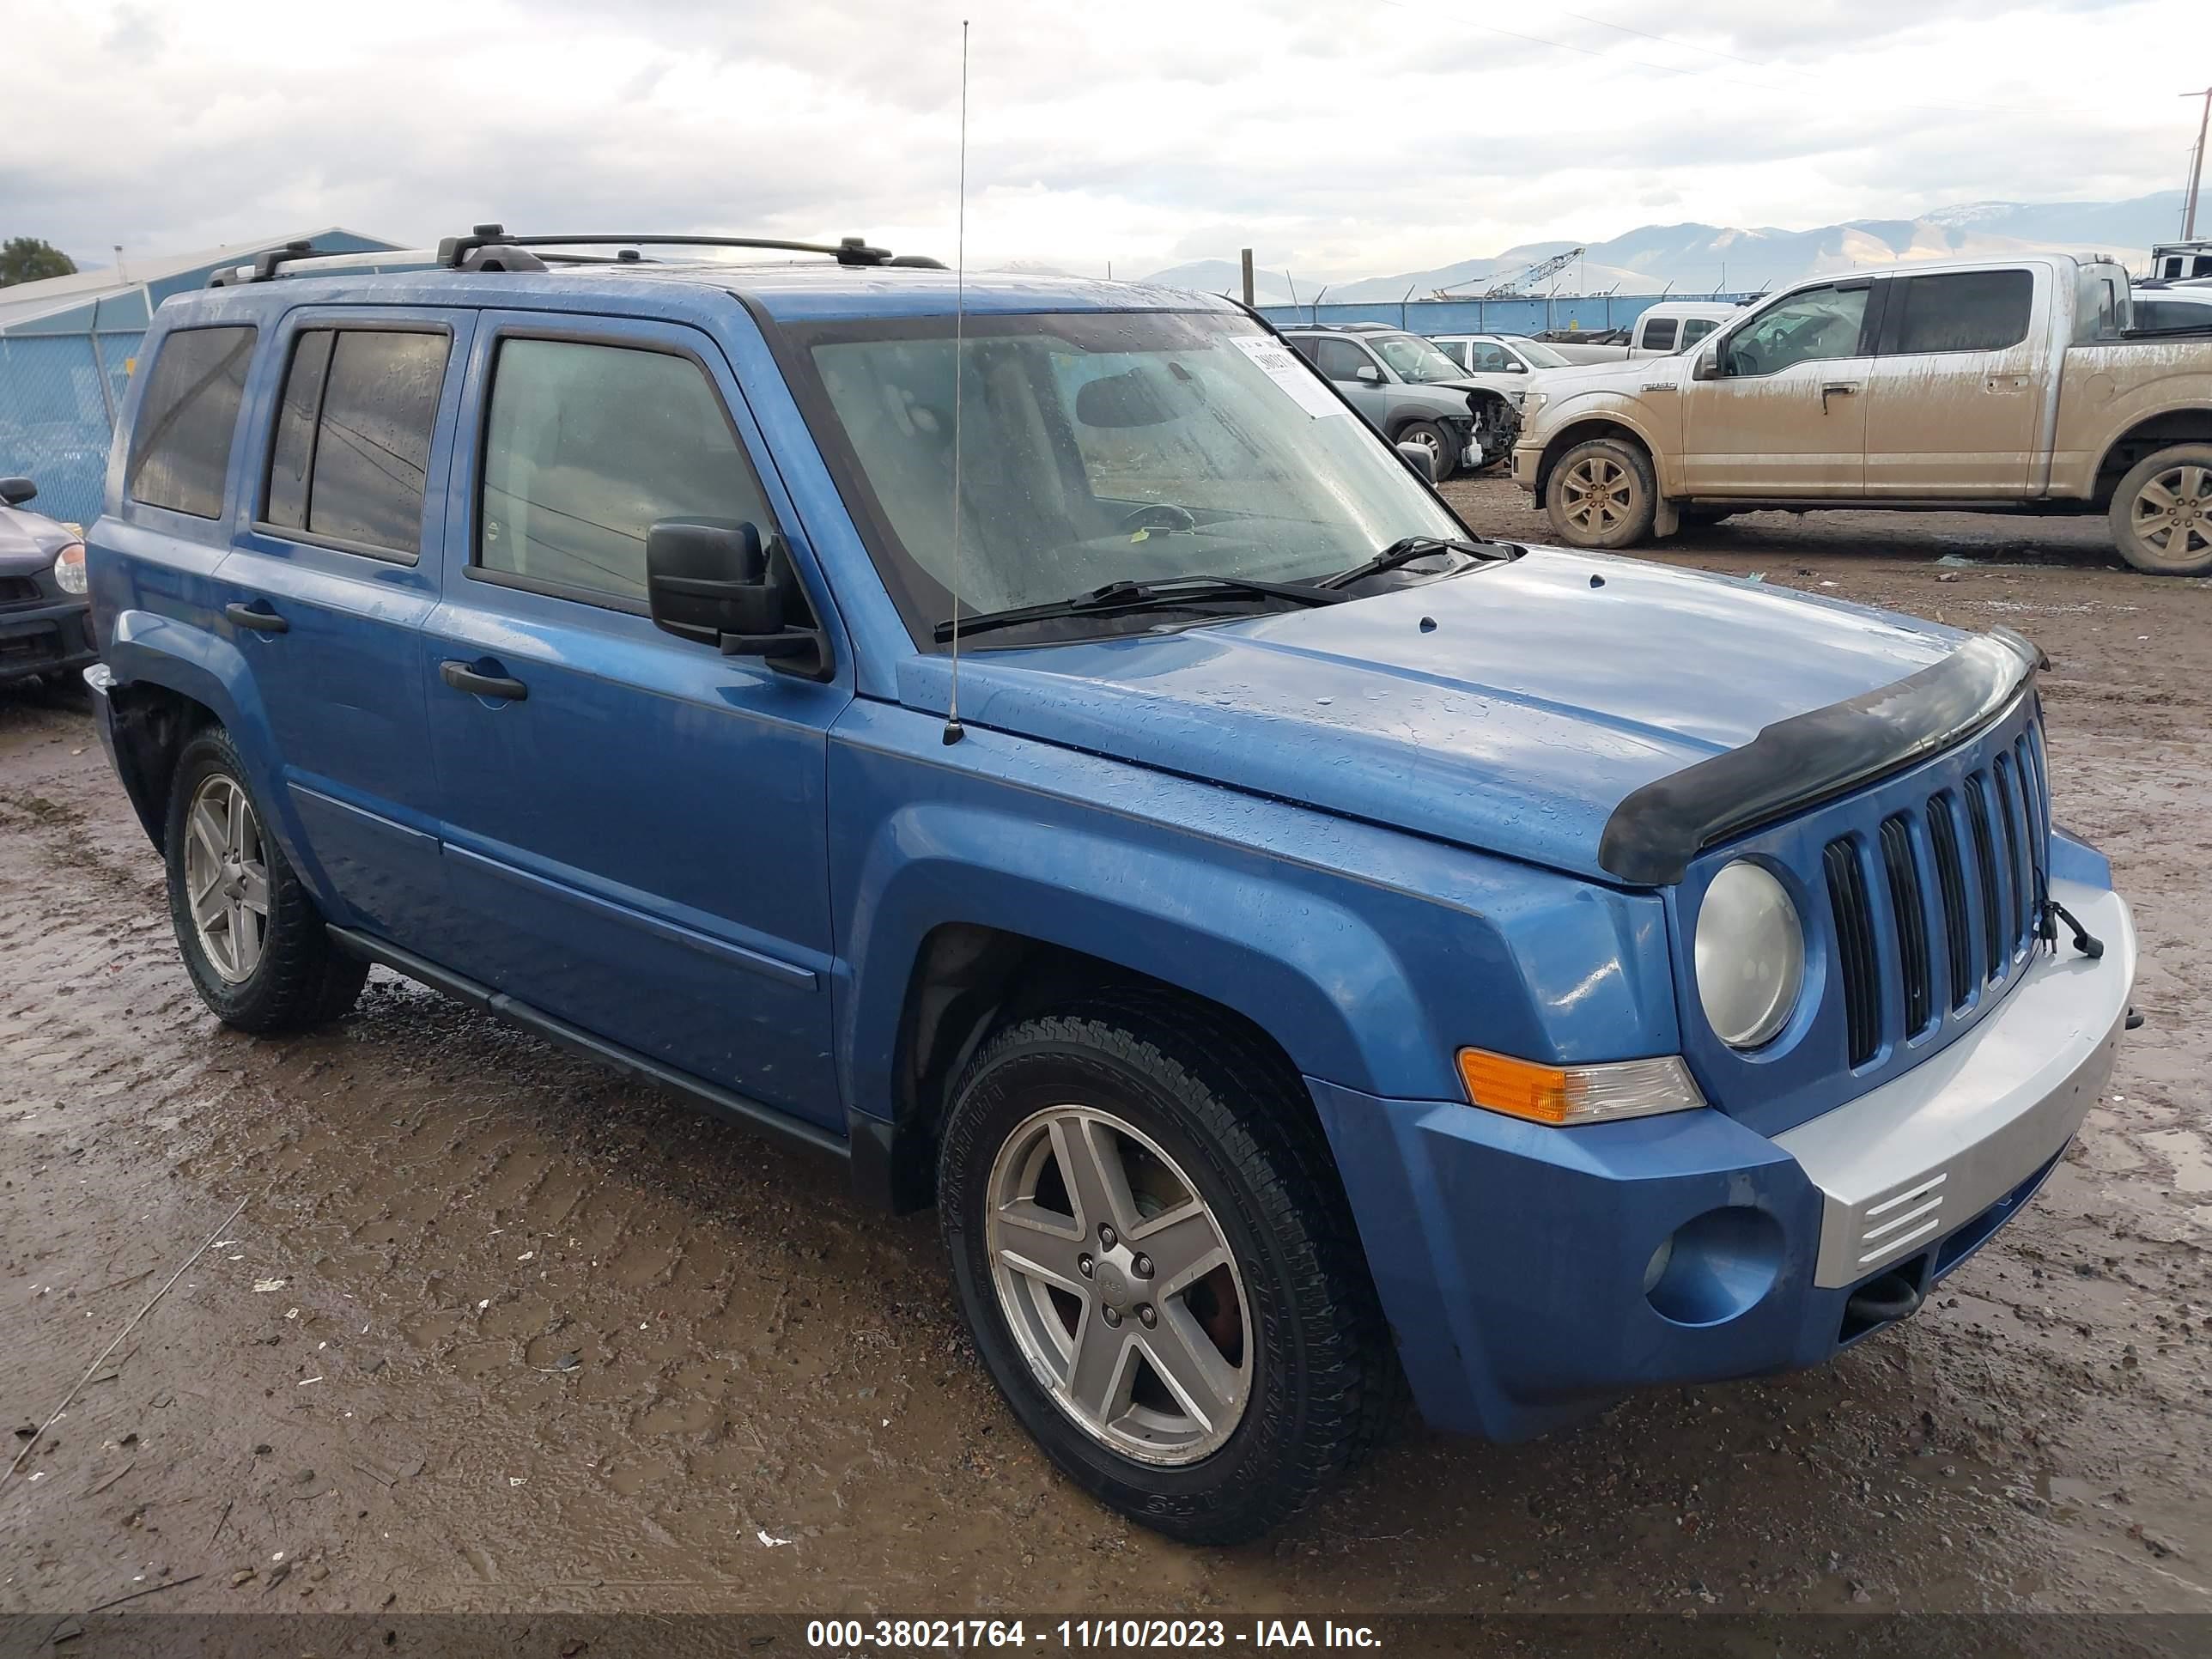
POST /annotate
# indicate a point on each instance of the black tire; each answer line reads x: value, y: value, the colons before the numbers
x: 1600, y: 494
x: 1437, y: 440
x: 300, y: 978
x: 1228, y: 1110
x: 2156, y: 539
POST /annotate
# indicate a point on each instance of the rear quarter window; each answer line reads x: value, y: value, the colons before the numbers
x: 187, y: 419
x: 1659, y: 334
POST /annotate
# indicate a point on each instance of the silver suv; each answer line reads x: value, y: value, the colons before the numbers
x: 1412, y: 392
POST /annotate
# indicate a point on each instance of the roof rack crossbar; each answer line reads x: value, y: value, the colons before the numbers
x: 852, y: 251
x: 287, y: 260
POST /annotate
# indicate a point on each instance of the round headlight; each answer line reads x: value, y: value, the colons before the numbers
x: 1750, y: 955
x: 69, y: 569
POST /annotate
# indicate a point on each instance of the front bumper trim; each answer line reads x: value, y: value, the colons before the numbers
x: 1937, y: 1145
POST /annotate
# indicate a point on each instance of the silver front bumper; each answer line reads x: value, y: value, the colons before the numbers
x: 1930, y: 1151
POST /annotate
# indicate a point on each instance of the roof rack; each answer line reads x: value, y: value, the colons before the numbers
x: 267, y: 267
x: 473, y: 250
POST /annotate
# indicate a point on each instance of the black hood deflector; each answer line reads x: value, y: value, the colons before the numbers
x: 1652, y: 835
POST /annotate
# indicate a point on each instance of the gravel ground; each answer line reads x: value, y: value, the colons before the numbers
x: 493, y: 1330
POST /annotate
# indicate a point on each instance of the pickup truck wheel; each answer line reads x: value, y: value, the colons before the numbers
x: 250, y: 934
x: 1444, y: 457
x: 1159, y: 1269
x: 2161, y: 513
x: 1600, y: 494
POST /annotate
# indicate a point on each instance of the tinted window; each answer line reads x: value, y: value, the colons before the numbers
x: 1339, y: 359
x: 293, y: 451
x: 2157, y: 316
x: 373, y: 443
x: 1817, y: 324
x: 180, y: 447
x: 1962, y: 311
x: 1659, y: 333
x: 1696, y: 330
x: 587, y: 447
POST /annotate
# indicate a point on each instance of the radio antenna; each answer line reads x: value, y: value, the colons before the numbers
x: 953, y: 730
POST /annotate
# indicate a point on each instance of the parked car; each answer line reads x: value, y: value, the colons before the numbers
x: 1506, y: 363
x: 2163, y: 307
x: 44, y: 628
x: 2006, y: 384
x: 1669, y: 326
x: 1412, y: 392
x: 1294, y: 942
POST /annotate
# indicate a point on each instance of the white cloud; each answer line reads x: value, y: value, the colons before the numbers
x: 1343, y: 139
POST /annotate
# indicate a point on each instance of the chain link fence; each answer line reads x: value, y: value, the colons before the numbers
x: 59, y: 395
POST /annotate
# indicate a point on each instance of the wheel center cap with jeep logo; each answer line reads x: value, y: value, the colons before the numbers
x: 1114, y: 1286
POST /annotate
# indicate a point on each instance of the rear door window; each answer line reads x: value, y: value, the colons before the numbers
x: 1958, y: 311
x: 585, y: 447
x: 180, y: 447
x: 352, y: 448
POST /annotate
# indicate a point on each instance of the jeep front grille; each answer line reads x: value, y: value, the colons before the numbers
x: 1911, y: 913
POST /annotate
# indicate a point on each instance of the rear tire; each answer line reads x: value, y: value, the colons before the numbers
x: 251, y: 935
x: 1437, y: 440
x: 1201, y: 1133
x: 2161, y: 513
x: 1600, y: 494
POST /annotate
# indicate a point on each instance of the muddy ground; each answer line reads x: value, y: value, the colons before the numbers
x: 495, y: 1331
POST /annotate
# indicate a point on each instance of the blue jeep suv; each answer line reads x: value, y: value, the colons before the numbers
x: 1029, y: 739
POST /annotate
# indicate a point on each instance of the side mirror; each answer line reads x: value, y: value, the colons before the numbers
x: 717, y: 583
x: 1368, y: 375
x: 1421, y: 459
x: 14, y: 492
x: 1515, y: 366
x: 1708, y: 365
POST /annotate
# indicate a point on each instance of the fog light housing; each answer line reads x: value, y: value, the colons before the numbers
x: 1716, y: 1266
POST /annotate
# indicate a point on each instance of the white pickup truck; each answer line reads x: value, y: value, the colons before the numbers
x: 2012, y: 385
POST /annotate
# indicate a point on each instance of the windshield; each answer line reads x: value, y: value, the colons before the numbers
x: 1539, y: 355
x: 1097, y: 448
x: 1415, y: 359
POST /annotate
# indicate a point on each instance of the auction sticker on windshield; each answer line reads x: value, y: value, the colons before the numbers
x: 1285, y: 370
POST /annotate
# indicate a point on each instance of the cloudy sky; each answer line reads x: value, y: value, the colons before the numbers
x: 1339, y: 137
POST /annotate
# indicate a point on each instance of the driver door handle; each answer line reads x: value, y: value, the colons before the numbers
x: 1836, y: 389
x: 255, y: 617
x: 462, y: 678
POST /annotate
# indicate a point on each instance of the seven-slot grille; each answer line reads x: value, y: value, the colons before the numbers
x: 1945, y: 900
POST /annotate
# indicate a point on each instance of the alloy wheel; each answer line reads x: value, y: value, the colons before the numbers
x: 2172, y: 515
x: 1119, y: 1285
x: 1597, y: 494
x: 226, y: 877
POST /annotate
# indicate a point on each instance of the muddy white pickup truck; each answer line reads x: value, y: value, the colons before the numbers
x: 2012, y: 385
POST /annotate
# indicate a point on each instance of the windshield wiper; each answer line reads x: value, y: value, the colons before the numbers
x: 1167, y: 594
x: 1405, y: 550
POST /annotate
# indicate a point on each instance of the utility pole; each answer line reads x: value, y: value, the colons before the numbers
x: 2196, y: 166
x: 1248, y: 276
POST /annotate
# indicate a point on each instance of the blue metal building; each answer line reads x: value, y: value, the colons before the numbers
x: 67, y: 347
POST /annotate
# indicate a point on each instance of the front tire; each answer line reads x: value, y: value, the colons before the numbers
x: 1602, y: 495
x: 2161, y: 513
x: 251, y: 935
x: 1159, y: 1266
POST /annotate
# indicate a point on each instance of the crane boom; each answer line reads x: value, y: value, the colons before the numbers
x: 1520, y: 280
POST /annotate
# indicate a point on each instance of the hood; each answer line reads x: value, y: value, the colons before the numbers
x: 1628, y: 375
x: 1545, y: 691
x: 29, y: 542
